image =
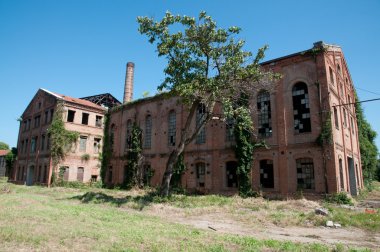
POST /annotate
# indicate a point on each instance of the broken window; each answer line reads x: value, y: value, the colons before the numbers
x: 264, y: 114
x: 148, y: 132
x: 201, y: 171
x: 230, y: 125
x: 301, y: 109
x: 128, y: 136
x: 231, y: 173
x: 96, y: 145
x: 266, y: 174
x: 172, y: 128
x: 71, y: 115
x: 336, y: 118
x: 305, y: 173
x: 85, y: 118
x: 80, y: 173
x: 82, y: 143
x: 341, y: 174
x: 98, y: 121
x: 200, y: 117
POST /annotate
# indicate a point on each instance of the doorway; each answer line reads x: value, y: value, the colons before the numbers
x: 352, y: 176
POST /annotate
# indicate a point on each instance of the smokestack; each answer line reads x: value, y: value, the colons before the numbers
x: 128, y: 88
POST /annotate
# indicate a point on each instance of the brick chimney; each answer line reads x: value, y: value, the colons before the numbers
x: 128, y: 88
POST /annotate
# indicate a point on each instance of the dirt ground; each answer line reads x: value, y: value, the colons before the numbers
x: 228, y: 223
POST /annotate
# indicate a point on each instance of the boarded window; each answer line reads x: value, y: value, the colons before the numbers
x: 301, y: 110
x: 231, y: 173
x: 264, y: 114
x: 148, y: 132
x: 70, y: 115
x: 82, y: 143
x: 266, y: 174
x: 172, y: 128
x: 305, y: 173
x: 200, y: 117
x: 85, y: 118
x: 201, y: 171
x: 80, y: 173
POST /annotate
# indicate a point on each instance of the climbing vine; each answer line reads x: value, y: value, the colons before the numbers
x: 107, y: 150
x: 134, y: 176
x: 326, y: 137
x: 62, y: 140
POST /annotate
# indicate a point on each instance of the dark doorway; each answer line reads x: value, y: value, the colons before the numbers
x: 266, y: 174
x: 231, y: 169
x: 352, y: 175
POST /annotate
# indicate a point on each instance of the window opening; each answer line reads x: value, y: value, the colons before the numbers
x: 264, y: 114
x: 200, y: 117
x: 230, y: 125
x: 201, y: 171
x: 98, y: 121
x: 85, y: 118
x: 301, y: 109
x: 305, y: 173
x: 70, y: 115
x: 80, y: 173
x: 231, y: 172
x: 266, y: 174
x: 82, y: 143
x: 172, y: 128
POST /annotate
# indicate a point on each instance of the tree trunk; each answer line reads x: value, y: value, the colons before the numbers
x: 165, y: 184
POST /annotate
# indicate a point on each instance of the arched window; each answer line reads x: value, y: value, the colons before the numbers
x: 148, y: 132
x: 128, y: 135
x: 266, y: 173
x: 305, y: 173
x: 301, y: 109
x: 172, y: 121
x: 200, y: 117
x: 264, y: 114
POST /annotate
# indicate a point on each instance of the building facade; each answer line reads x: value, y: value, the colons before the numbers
x: 34, y: 163
x: 313, y: 99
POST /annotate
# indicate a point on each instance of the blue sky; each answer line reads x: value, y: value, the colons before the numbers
x: 80, y: 47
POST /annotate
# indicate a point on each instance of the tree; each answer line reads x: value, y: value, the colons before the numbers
x: 206, y: 65
x: 4, y: 146
x: 10, y: 158
x: 368, y: 149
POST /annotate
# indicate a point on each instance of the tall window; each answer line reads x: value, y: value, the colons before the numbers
x: 345, y: 117
x: 172, y: 121
x: 301, y: 109
x: 305, y: 173
x: 46, y: 116
x: 230, y: 125
x: 128, y: 136
x: 51, y: 115
x: 42, y: 142
x: 264, y: 114
x: 200, y: 117
x: 148, y: 132
x: 331, y: 76
x: 336, y: 118
x: 82, y: 143
x: 341, y: 174
x: 33, y: 145
x: 266, y: 173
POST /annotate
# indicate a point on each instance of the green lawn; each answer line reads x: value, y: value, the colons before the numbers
x: 62, y: 219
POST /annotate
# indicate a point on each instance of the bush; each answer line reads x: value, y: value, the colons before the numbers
x: 339, y: 198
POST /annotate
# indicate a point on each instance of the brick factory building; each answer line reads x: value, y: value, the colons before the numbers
x: 315, y: 88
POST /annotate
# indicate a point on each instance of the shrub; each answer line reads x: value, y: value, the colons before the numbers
x: 339, y: 198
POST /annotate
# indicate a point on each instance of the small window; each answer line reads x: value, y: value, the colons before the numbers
x: 82, y: 143
x: 80, y: 173
x: 85, y: 118
x: 94, y: 178
x: 98, y: 121
x: 70, y: 115
x: 96, y: 145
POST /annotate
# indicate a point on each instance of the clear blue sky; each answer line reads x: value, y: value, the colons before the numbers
x: 80, y: 47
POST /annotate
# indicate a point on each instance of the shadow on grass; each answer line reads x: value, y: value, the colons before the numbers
x: 101, y: 198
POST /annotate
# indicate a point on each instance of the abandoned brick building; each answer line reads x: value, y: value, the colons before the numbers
x: 85, y: 116
x: 315, y: 88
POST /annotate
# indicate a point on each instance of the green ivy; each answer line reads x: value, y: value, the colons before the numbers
x: 134, y: 158
x: 326, y: 136
x: 61, y: 139
x: 178, y: 170
x: 107, y: 150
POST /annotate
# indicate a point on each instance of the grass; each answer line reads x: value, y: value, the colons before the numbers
x: 90, y: 219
